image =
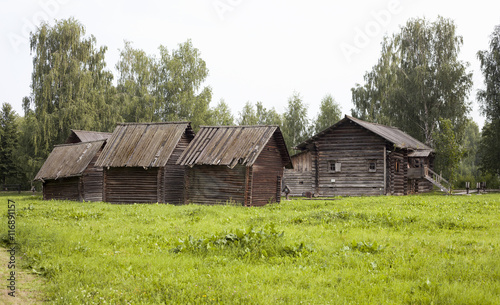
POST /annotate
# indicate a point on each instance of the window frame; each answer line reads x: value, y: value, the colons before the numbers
x: 337, y: 166
x: 374, y: 169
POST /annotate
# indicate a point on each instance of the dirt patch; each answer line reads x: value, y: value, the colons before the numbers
x: 27, y: 284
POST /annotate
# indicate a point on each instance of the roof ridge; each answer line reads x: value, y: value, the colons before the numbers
x: 236, y: 126
x: 80, y: 143
x: 153, y: 123
x: 89, y: 130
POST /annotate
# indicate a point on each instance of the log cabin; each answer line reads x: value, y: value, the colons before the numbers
x: 235, y: 164
x: 69, y: 173
x: 139, y: 163
x: 358, y: 158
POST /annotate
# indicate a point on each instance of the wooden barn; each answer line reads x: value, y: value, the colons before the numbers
x: 354, y: 157
x: 139, y: 163
x: 240, y: 164
x: 69, y: 172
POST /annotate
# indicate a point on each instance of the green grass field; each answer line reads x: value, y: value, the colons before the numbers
x: 429, y: 249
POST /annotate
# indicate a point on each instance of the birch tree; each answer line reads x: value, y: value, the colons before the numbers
x: 417, y: 80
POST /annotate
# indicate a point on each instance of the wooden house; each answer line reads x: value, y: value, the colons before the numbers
x: 354, y: 157
x: 240, y: 164
x: 139, y: 163
x: 69, y: 172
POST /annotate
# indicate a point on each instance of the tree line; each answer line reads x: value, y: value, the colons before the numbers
x: 418, y: 85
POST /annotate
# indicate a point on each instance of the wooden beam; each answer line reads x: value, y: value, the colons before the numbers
x: 385, y: 170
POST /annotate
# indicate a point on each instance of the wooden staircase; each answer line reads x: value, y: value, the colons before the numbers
x: 437, y: 180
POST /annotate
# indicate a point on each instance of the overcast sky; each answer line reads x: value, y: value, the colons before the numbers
x: 255, y: 50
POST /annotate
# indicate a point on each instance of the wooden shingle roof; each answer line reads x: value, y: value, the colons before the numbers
x: 142, y: 144
x: 78, y: 136
x: 68, y: 160
x: 392, y: 134
x: 231, y: 145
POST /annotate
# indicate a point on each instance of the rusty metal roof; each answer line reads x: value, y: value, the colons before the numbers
x: 68, y: 160
x: 77, y: 136
x: 392, y: 134
x: 231, y: 145
x: 142, y: 144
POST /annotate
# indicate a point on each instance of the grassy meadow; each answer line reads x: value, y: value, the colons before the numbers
x: 428, y: 249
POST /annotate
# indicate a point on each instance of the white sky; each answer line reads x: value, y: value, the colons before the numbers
x: 255, y: 50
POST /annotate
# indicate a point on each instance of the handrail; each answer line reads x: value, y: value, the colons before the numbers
x: 437, y: 177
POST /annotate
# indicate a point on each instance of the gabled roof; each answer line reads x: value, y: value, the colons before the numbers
x: 78, y: 136
x: 143, y: 144
x: 231, y: 145
x: 392, y: 134
x: 68, y: 160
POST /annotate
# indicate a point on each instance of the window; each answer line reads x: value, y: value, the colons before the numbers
x: 396, y: 167
x: 372, y: 166
x: 334, y: 166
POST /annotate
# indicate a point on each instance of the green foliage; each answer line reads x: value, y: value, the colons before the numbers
x: 388, y: 250
x: 247, y: 116
x: 9, y: 171
x: 135, y: 85
x: 259, y: 115
x: 489, y: 148
x: 70, y: 88
x: 295, y: 121
x: 179, y: 78
x: 365, y: 247
x: 247, y: 244
x: 329, y: 114
x: 221, y: 115
x: 417, y: 80
x: 468, y: 169
x: 489, y: 98
x: 448, y: 151
x: 490, y: 61
x: 267, y: 116
x: 164, y: 88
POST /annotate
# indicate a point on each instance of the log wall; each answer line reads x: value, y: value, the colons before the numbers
x: 62, y: 189
x: 172, y: 177
x: 353, y: 148
x: 298, y: 182
x: 130, y: 185
x: 300, y: 179
x: 92, y: 181
x: 214, y: 184
x: 267, y: 173
x: 398, y: 172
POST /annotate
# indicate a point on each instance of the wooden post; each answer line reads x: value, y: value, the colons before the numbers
x: 467, y: 186
x: 159, y: 188
x: 80, y: 189
x: 247, y: 197
x: 187, y: 174
x: 104, y: 178
x: 385, y: 170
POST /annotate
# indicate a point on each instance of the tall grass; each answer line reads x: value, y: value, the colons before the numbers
x: 374, y: 250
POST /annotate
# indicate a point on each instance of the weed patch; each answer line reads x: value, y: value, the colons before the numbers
x: 364, y: 247
x: 247, y: 243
